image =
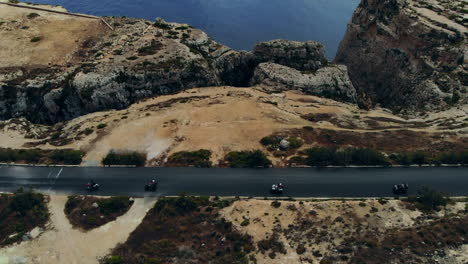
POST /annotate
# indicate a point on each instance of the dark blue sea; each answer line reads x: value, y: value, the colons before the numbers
x: 236, y: 23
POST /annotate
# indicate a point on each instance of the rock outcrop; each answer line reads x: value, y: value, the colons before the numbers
x: 331, y: 82
x: 138, y: 60
x: 303, y: 56
x: 407, y: 54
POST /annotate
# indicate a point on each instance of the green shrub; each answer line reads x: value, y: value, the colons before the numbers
x: 247, y: 159
x: 72, y: 203
x: 101, y: 126
x: 431, y: 199
x: 297, y: 160
x: 36, y: 39
x: 32, y: 15
x: 132, y: 58
x: 321, y: 156
x: 275, y: 204
x: 295, y: 143
x: 88, y: 131
x: 300, y: 249
x: 270, y: 140
x: 199, y: 158
x: 24, y: 201
x: 125, y: 158
x: 246, y: 222
x: 180, y: 205
x: 114, y: 204
x: 160, y: 23
x: 67, y: 156
x: 114, y: 260
x: 151, y: 49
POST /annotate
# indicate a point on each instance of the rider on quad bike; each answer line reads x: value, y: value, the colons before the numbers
x: 151, y: 186
x: 92, y: 186
x: 400, y: 188
x: 277, y: 188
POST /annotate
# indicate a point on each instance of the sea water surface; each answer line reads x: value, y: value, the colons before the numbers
x: 236, y: 23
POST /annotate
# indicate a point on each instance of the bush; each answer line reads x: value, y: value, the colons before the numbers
x: 132, y: 58
x: 247, y: 159
x: 300, y: 249
x: 295, y: 143
x: 101, y: 126
x: 114, y: 204
x: 199, y: 158
x: 32, y: 15
x: 160, y: 23
x: 126, y: 158
x: 321, y: 156
x: 180, y: 205
x: 36, y: 39
x: 151, y: 49
x: 114, y: 260
x: 270, y: 140
x: 67, y: 156
x: 275, y: 204
x: 72, y: 203
x: 24, y: 201
x: 246, y: 222
x: 431, y: 199
x: 88, y: 131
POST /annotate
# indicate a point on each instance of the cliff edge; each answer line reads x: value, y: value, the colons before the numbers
x: 408, y: 54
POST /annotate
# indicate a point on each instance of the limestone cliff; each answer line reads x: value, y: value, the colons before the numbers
x: 407, y: 54
x: 49, y: 77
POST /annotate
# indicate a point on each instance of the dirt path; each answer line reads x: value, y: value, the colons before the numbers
x: 63, y: 244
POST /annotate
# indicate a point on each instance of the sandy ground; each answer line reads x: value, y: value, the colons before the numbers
x: 62, y: 244
x: 264, y: 219
x: 62, y: 36
x: 220, y: 119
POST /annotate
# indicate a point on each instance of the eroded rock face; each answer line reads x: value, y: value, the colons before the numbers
x: 113, y: 69
x: 331, y: 82
x: 407, y: 54
x: 303, y: 56
x: 136, y: 61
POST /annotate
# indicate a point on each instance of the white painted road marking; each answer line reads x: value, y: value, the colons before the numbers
x: 56, y: 177
x: 58, y: 174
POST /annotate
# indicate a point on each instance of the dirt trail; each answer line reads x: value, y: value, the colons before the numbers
x: 63, y: 244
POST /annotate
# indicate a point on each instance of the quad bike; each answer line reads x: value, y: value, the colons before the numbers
x: 92, y: 186
x: 151, y: 186
x: 400, y: 188
x: 277, y: 188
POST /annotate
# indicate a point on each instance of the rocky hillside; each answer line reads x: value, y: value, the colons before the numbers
x: 100, y: 69
x: 408, y: 54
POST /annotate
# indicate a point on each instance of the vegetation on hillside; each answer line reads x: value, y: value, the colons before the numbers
x: 247, y: 159
x: 60, y: 156
x: 184, y: 230
x: 199, y: 158
x: 323, y: 156
x: 133, y: 158
x: 20, y: 213
x: 88, y: 212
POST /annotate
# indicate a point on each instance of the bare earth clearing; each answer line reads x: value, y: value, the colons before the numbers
x: 61, y: 243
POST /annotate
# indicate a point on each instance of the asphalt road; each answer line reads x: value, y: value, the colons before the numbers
x: 298, y: 182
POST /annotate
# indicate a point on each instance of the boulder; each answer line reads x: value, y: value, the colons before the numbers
x: 303, y: 56
x: 331, y: 82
